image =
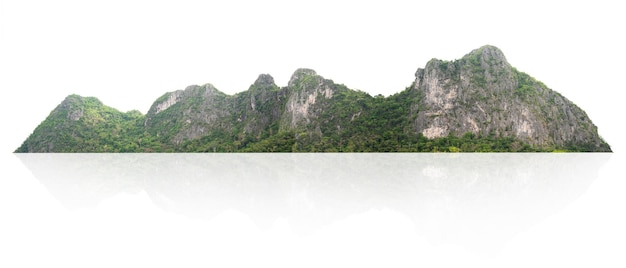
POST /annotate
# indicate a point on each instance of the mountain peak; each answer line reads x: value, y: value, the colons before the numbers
x: 304, y: 71
x: 76, y: 102
x: 74, y: 98
x: 488, y: 54
x: 264, y: 79
x: 476, y: 103
x: 299, y: 74
x: 487, y: 49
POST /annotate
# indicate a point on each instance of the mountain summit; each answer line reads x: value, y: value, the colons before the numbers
x: 483, y: 94
x: 476, y: 103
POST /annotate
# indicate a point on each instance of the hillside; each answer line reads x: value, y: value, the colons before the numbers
x: 476, y: 103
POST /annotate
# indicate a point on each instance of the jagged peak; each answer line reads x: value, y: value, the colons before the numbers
x: 487, y: 53
x: 475, y: 94
x: 304, y: 71
x: 207, y: 86
x: 206, y: 90
x: 264, y: 79
x: 430, y: 64
x: 487, y: 56
x: 487, y: 48
x: 301, y: 73
x: 75, y: 99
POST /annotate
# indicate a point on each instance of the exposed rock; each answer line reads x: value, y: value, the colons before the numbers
x: 308, y: 93
x: 300, y: 74
x: 172, y: 98
x: 481, y: 93
x: 76, y: 114
x: 189, y: 114
x: 263, y: 102
x: 264, y: 80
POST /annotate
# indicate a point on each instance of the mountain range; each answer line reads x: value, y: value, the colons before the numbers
x: 478, y: 103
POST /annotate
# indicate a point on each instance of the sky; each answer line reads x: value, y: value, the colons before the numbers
x: 128, y: 53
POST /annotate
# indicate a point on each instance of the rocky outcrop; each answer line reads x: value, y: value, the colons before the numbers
x: 170, y: 99
x: 482, y: 94
x: 259, y: 107
x: 308, y: 95
x: 189, y: 114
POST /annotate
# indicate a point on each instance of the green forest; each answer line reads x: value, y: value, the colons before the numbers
x: 478, y: 103
x: 383, y: 128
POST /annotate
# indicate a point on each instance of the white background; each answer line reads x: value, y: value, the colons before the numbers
x: 313, y: 210
x: 128, y: 53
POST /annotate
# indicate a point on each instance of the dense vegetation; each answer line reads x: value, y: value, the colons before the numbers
x: 475, y: 104
x: 379, y: 129
x: 86, y: 125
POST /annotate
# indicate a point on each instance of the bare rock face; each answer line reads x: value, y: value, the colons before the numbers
x: 482, y: 94
x: 259, y: 107
x: 171, y: 99
x: 188, y: 114
x: 203, y: 111
x: 308, y: 96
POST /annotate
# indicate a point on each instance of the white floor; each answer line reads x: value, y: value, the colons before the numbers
x: 313, y: 210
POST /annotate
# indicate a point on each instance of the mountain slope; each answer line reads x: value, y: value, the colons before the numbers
x: 483, y: 94
x: 477, y: 103
x: 84, y: 124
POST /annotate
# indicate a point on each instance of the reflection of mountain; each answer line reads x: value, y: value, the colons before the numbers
x: 449, y: 197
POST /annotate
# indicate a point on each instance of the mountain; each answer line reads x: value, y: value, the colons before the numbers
x: 482, y: 93
x: 476, y: 103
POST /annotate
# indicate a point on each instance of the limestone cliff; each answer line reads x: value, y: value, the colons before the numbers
x: 188, y: 114
x: 259, y: 108
x: 481, y: 93
x: 308, y: 96
x: 476, y: 103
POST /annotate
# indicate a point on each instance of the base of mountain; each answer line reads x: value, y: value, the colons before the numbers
x: 479, y: 103
x: 289, y: 141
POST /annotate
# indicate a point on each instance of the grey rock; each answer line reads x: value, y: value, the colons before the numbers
x: 482, y: 94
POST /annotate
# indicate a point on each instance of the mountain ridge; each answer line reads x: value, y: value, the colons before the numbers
x: 476, y: 103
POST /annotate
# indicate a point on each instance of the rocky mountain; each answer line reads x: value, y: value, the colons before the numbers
x: 483, y: 94
x: 476, y: 103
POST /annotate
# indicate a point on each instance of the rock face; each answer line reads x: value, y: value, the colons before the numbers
x: 204, y: 111
x: 189, y: 114
x: 309, y: 95
x: 257, y: 109
x: 480, y: 94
